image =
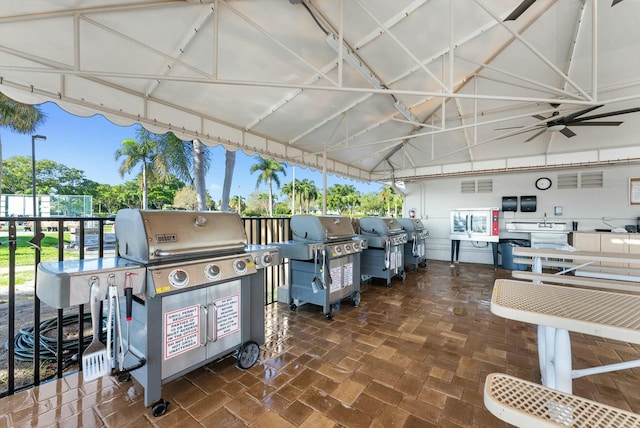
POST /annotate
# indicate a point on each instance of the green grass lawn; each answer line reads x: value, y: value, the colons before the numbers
x: 25, y: 255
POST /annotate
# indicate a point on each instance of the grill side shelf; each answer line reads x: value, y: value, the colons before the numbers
x: 67, y: 283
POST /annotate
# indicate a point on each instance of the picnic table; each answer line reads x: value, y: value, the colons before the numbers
x: 559, y: 309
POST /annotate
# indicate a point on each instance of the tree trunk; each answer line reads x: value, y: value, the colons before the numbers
x: 145, y: 193
x: 1, y: 170
x: 270, y: 199
x: 198, y: 172
x: 229, y: 165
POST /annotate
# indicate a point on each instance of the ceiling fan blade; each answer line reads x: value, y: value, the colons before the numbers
x: 522, y: 7
x: 573, y: 116
x: 608, y: 123
x: 535, y: 135
x: 612, y: 113
x: 537, y: 116
x: 509, y: 127
x: 511, y: 134
x: 567, y: 132
x: 615, y: 2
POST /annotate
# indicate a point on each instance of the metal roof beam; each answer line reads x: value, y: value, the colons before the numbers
x: 402, y: 46
x: 278, y: 42
x: 535, y: 51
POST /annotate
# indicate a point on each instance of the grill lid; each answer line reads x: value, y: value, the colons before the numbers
x: 411, y: 224
x: 321, y: 228
x: 379, y: 226
x: 149, y: 236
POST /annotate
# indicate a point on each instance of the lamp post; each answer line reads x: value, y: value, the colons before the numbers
x: 33, y: 168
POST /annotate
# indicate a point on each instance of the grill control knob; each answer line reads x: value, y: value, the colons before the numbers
x: 347, y: 247
x: 267, y: 259
x: 178, y: 278
x: 201, y: 221
x: 212, y: 271
x: 338, y: 250
x: 240, y: 266
x: 355, y: 246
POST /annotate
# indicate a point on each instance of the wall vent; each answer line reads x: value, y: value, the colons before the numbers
x: 568, y: 181
x: 485, y: 186
x: 468, y: 187
x: 480, y: 186
x: 592, y: 179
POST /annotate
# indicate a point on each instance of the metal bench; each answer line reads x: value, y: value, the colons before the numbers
x: 584, y: 263
x: 579, y: 281
x: 92, y: 240
x: 527, y: 404
x: 553, y: 263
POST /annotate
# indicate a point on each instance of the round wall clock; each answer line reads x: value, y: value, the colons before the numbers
x: 543, y: 183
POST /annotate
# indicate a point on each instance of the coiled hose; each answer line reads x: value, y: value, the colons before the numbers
x: 24, y: 341
x: 24, y: 344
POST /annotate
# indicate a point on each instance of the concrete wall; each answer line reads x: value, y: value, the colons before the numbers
x: 433, y: 198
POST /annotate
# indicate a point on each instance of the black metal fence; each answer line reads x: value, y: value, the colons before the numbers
x: 25, y: 321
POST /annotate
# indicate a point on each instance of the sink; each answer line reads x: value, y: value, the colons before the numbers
x: 603, y: 230
x: 536, y: 226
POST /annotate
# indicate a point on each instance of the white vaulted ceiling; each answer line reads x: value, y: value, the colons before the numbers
x: 424, y: 88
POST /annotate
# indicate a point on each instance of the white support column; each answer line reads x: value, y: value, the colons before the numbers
x: 594, y: 50
x: 562, y: 361
x: 549, y: 356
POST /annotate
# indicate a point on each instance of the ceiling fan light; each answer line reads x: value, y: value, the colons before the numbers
x: 556, y: 128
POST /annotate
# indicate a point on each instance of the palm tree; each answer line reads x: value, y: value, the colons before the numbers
x: 386, y: 194
x: 238, y: 204
x: 182, y: 158
x: 308, y: 193
x: 229, y: 165
x: 20, y: 118
x: 200, y: 166
x: 144, y: 152
x: 289, y: 191
x: 269, y: 170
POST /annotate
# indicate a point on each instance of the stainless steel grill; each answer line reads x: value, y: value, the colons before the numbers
x: 198, y: 293
x: 415, y: 249
x: 324, y: 261
x: 384, y: 256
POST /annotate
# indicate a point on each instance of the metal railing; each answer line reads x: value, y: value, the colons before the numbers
x: 24, y: 365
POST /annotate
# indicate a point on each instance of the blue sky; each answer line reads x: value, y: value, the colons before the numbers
x: 89, y: 144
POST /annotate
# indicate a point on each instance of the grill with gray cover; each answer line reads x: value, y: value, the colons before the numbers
x: 415, y: 249
x: 384, y: 256
x: 324, y: 261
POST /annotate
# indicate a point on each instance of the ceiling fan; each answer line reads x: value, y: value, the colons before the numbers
x: 557, y: 123
x: 526, y: 4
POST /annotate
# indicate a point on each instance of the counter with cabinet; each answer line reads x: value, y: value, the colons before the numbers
x: 624, y: 243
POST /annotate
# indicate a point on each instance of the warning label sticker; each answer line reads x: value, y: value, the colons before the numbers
x: 182, y: 329
x: 336, y: 279
x: 348, y: 275
x: 227, y: 315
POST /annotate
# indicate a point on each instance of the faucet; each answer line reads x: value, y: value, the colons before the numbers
x: 544, y: 222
